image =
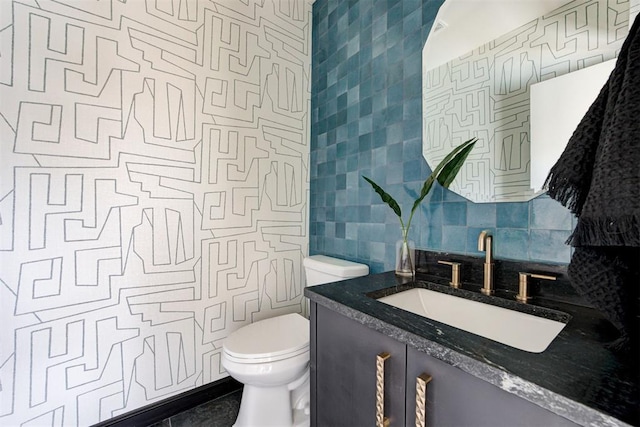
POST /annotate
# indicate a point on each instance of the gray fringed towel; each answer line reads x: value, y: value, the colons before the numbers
x: 598, y: 179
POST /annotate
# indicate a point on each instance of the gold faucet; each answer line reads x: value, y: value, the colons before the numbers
x: 485, y: 243
x: 455, y: 273
x: 523, y: 292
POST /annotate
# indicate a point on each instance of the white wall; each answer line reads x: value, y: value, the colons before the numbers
x: 153, y: 195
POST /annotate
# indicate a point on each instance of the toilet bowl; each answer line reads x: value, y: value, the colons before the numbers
x: 271, y: 357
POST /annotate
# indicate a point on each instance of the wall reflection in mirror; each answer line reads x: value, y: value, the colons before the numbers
x: 479, y: 64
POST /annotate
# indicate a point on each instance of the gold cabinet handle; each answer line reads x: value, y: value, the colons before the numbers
x: 421, y: 399
x: 381, y: 420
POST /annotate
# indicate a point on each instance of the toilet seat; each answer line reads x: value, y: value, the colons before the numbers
x: 269, y: 340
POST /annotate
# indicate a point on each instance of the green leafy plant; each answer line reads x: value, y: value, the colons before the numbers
x: 444, y: 173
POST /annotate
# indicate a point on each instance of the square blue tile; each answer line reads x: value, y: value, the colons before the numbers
x: 377, y: 251
x: 394, y: 37
x: 511, y: 243
x: 412, y: 109
x: 365, y: 125
x: 379, y: 157
x: 351, y: 230
x: 412, y: 171
x: 394, y: 152
x: 412, y: 65
x: 395, y: 72
x: 412, y: 149
x: 353, y: 129
x: 364, y: 143
x: 331, y: 213
x: 413, y: 23
x: 454, y: 213
x: 379, y: 101
x: 353, y: 95
x: 376, y: 267
x: 366, y: 106
x: 395, y: 173
x: 352, y: 180
x: 548, y: 214
x: 379, y: 45
x: 352, y: 194
x: 379, y: 26
x: 481, y: 214
x: 549, y: 246
x: 353, y: 46
x: 352, y: 162
x: 411, y: 128
x: 350, y: 248
x: 395, y: 94
x: 330, y: 229
x: 379, y: 119
x: 378, y: 81
x: 351, y: 217
x: 364, y: 214
x: 454, y: 238
x: 512, y: 215
x: 394, y: 136
x: 329, y: 245
x: 379, y: 213
x: 412, y: 86
x: 364, y: 249
x: 431, y: 238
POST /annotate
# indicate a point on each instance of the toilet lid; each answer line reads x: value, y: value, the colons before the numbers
x: 269, y: 338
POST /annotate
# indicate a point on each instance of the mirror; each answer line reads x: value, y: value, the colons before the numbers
x: 479, y: 63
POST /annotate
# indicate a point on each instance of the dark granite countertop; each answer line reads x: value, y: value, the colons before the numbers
x: 577, y: 376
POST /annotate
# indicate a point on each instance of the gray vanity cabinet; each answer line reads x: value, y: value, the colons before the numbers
x: 343, y: 383
x: 343, y: 372
x: 455, y: 398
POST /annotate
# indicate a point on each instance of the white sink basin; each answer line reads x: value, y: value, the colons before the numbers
x: 513, y: 328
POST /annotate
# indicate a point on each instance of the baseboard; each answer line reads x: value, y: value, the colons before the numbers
x: 166, y: 408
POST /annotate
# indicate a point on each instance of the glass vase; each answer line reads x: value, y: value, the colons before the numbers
x: 405, y: 258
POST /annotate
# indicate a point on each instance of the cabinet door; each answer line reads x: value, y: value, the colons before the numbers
x: 455, y: 398
x: 343, y: 372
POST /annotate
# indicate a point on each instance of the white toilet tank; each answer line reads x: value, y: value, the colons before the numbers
x: 321, y: 269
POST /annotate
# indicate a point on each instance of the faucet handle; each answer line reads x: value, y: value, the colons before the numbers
x: 455, y: 273
x: 524, y: 284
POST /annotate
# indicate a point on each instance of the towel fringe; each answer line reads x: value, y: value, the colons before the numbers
x: 570, y: 194
x: 607, y: 231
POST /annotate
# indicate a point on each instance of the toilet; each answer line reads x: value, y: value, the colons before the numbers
x: 271, y: 356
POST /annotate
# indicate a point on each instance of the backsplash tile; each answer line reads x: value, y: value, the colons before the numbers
x: 549, y: 246
x: 512, y: 215
x: 547, y: 214
x: 454, y: 238
x: 481, y: 215
x: 512, y: 243
x: 454, y: 213
x: 367, y: 120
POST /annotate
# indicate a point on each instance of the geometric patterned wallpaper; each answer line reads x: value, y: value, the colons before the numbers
x: 153, y: 195
x: 485, y: 93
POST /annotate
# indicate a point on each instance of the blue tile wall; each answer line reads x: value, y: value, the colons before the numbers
x: 366, y: 101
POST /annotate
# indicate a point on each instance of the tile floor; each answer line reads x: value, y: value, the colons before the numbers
x: 220, y: 412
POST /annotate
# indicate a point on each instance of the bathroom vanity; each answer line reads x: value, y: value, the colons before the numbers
x: 466, y: 379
